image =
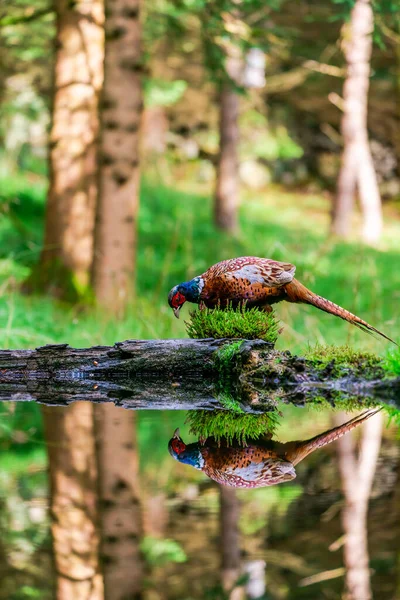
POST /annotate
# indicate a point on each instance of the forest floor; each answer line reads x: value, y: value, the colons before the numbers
x: 177, y: 241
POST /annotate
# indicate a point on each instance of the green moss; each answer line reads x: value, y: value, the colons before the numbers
x: 252, y: 324
x: 231, y: 425
x: 228, y: 401
x: 343, y: 360
x: 224, y: 358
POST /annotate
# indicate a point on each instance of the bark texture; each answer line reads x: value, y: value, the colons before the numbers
x: 227, y: 185
x: 120, y: 512
x: 70, y: 213
x: 70, y: 443
x: 229, y: 511
x: 121, y: 108
x: 357, y: 475
x: 185, y: 375
x: 357, y: 170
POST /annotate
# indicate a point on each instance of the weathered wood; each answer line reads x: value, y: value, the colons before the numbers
x: 180, y: 374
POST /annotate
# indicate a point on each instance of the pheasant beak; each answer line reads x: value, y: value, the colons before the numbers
x: 176, y: 311
x: 177, y: 434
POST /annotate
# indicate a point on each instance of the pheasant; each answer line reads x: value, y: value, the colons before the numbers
x: 261, y: 462
x: 255, y: 282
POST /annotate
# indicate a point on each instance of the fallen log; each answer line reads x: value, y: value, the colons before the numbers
x: 187, y: 374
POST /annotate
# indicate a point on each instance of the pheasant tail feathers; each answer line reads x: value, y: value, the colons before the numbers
x: 297, y: 292
x: 303, y: 449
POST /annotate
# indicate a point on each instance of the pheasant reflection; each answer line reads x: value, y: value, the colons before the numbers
x: 262, y: 462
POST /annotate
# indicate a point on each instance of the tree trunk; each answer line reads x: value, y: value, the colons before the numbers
x: 357, y: 170
x: 227, y: 186
x: 113, y: 271
x: 357, y: 476
x: 119, y: 502
x: 229, y: 541
x: 187, y: 375
x: 65, y: 262
x: 70, y: 443
x: 68, y: 241
x: 115, y: 234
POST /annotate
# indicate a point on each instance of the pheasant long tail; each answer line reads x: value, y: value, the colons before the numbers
x: 303, y: 449
x: 297, y: 292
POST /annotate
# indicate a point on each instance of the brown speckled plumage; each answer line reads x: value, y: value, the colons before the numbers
x: 257, y: 282
x: 261, y: 462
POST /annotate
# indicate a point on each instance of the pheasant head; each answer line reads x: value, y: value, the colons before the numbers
x: 188, y: 291
x: 189, y: 454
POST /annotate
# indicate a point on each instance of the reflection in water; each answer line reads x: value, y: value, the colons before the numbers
x: 292, y: 530
x: 229, y: 541
x: 357, y: 474
x: 260, y: 463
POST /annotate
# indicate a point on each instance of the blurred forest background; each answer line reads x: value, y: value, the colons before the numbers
x: 139, y: 144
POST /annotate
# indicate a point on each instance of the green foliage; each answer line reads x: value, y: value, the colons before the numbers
x: 158, y: 552
x: 391, y: 363
x: 393, y: 414
x: 263, y: 140
x: 26, y: 41
x: 20, y: 428
x: 223, y: 28
x: 28, y: 592
x: 266, y: 503
x: 159, y: 92
x: 231, y: 425
x: 248, y: 324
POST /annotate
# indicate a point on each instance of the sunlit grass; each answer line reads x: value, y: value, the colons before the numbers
x: 177, y: 241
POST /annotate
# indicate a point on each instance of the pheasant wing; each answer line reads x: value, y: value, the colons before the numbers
x: 252, y: 269
x: 266, y: 472
x: 243, y: 278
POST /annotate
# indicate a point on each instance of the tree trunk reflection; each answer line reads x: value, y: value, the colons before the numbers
x: 357, y: 474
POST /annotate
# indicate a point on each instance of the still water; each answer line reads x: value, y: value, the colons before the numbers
x: 290, y: 539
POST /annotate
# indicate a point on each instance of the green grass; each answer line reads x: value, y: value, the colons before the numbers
x: 178, y: 241
x: 391, y: 364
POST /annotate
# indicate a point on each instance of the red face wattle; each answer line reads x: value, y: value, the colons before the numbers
x: 178, y: 446
x: 177, y: 300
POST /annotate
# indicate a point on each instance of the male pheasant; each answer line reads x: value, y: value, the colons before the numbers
x: 261, y: 462
x: 255, y: 282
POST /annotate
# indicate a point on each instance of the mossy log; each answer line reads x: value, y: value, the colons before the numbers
x: 187, y: 374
